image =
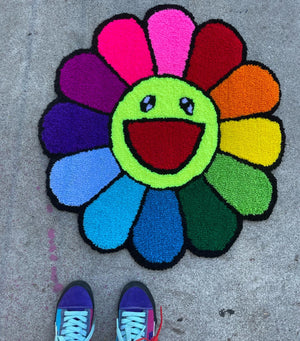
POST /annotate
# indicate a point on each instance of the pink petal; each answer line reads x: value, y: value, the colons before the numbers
x: 123, y: 44
x: 170, y: 32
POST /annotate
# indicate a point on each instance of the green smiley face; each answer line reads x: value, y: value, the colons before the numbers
x: 164, y: 132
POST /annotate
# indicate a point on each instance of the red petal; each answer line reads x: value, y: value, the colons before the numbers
x: 217, y: 49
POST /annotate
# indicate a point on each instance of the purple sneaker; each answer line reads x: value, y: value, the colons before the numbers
x: 75, y: 313
x: 137, y: 317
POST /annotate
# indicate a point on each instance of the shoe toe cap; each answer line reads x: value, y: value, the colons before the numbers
x: 76, y: 297
x: 135, y: 298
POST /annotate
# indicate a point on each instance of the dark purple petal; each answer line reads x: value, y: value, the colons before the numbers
x: 86, y: 79
x: 69, y: 128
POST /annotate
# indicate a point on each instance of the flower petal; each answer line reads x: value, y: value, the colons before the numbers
x: 75, y: 179
x: 123, y: 44
x: 218, y: 48
x: 170, y: 32
x: 257, y: 140
x: 211, y: 225
x: 86, y: 79
x: 250, y: 89
x: 158, y: 233
x: 69, y: 128
x: 245, y: 188
x: 108, y: 219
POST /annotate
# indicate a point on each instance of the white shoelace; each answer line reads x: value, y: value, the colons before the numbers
x: 74, y: 327
x: 132, y: 326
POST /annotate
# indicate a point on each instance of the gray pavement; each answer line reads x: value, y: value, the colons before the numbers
x: 250, y: 293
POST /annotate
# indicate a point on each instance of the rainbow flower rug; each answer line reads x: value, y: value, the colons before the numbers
x: 162, y: 137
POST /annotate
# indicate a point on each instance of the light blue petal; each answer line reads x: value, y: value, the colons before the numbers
x: 75, y: 179
x: 158, y: 234
x: 108, y: 219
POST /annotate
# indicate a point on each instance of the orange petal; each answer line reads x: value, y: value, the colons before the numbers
x: 250, y: 89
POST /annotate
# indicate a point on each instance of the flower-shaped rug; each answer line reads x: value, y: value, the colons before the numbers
x: 162, y: 137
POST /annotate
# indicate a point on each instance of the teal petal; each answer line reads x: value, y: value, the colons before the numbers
x: 108, y: 219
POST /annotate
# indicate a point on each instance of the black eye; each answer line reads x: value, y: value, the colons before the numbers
x: 147, y: 103
x: 187, y: 105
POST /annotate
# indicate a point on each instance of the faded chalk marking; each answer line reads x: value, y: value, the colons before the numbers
x: 49, y: 208
x: 57, y: 286
x: 51, y: 233
x: 52, y: 246
x: 53, y: 257
x: 54, y: 274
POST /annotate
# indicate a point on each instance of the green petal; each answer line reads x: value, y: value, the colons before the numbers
x: 211, y: 225
x: 247, y: 189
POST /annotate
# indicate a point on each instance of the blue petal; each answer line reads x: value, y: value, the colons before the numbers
x: 108, y: 219
x: 75, y: 179
x: 158, y: 234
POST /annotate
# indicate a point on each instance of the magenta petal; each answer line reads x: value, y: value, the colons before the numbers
x: 170, y: 32
x: 69, y: 128
x: 123, y: 44
x: 86, y: 79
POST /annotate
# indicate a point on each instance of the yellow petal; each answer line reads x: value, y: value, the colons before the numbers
x: 257, y: 140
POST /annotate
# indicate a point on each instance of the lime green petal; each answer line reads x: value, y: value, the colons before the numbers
x: 247, y: 189
x: 211, y: 225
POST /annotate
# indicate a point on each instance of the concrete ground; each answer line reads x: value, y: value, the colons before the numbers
x: 251, y: 293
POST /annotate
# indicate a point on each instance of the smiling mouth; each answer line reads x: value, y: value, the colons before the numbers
x: 163, y: 145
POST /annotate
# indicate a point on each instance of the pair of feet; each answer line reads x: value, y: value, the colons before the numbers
x: 75, y: 314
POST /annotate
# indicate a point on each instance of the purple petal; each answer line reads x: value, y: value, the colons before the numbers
x: 86, y: 79
x: 69, y: 128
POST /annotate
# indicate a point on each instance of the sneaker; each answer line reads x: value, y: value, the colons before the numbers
x: 74, y: 313
x: 137, y: 317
